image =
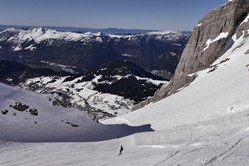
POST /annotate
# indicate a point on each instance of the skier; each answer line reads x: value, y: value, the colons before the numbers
x: 121, y: 150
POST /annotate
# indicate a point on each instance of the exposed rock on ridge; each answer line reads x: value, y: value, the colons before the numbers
x: 207, y: 43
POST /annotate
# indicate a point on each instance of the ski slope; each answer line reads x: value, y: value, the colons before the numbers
x: 223, y: 141
x: 218, y: 91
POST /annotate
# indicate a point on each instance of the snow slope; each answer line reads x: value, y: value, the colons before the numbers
x: 218, y: 91
x: 50, y: 122
x: 223, y: 142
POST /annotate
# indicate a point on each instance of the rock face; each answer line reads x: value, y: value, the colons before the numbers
x: 210, y: 38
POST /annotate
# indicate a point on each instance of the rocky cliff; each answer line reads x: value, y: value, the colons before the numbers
x: 209, y: 40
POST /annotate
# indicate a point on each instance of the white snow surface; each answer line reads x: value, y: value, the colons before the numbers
x: 170, y: 35
x: 199, y: 24
x: 31, y: 48
x: 155, y: 82
x: 18, y: 48
x: 221, y: 36
x: 41, y: 34
x: 67, y: 68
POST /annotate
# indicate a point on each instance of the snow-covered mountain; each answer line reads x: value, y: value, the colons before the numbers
x: 88, y: 51
x: 20, y: 36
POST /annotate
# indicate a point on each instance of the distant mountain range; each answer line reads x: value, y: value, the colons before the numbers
x: 157, y: 52
x: 114, y: 31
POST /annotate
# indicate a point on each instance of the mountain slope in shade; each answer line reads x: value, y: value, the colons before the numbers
x: 125, y: 79
x: 14, y: 73
x: 31, y: 117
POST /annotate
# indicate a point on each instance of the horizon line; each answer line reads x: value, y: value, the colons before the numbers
x: 55, y: 26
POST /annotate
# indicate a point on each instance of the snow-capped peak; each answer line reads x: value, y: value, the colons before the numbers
x: 41, y: 34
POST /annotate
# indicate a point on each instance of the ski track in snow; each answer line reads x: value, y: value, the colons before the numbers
x: 220, y: 150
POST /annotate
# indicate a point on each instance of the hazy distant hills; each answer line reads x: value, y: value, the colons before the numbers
x: 113, y: 31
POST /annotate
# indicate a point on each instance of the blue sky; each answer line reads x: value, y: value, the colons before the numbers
x: 138, y: 14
